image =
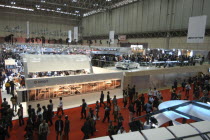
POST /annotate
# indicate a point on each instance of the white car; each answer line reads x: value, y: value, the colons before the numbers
x: 126, y: 64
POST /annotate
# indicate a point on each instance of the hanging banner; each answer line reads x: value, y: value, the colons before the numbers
x: 196, y: 29
x: 27, y: 30
x: 122, y: 37
x: 76, y: 34
x: 111, y: 37
x: 69, y: 36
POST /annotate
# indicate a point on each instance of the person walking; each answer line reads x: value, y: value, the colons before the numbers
x: 107, y: 113
x: 66, y: 127
x: 43, y: 130
x: 83, y: 111
x: 20, y: 115
x: 60, y: 106
x: 59, y: 128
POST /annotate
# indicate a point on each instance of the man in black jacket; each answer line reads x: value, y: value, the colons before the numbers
x: 102, y: 99
x: 107, y: 113
x: 59, y: 127
x: 108, y: 99
x: 67, y: 128
x: 84, y: 107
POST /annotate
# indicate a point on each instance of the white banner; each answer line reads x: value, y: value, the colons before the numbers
x: 196, y: 29
x: 122, y: 37
x: 111, y: 37
x: 52, y: 81
x: 27, y: 30
x: 76, y: 33
x: 69, y: 36
x: 10, y: 62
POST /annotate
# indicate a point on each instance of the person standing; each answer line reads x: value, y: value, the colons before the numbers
x: 43, y: 130
x: 110, y: 129
x: 125, y: 100
x: 183, y: 85
x: 187, y: 87
x: 49, y: 115
x: 131, y: 112
x: 97, y: 108
x: 51, y: 106
x: 116, y: 110
x: 102, y: 99
x: 84, y: 107
x: 66, y: 127
x: 138, y: 106
x: 12, y: 85
x: 142, y: 98
x: 20, y: 115
x: 86, y: 128
x: 120, y: 121
x: 150, y: 92
x: 114, y: 101
x: 155, y: 92
x: 175, y: 84
x: 60, y: 106
x: 7, y: 86
x: 108, y: 98
x: 59, y: 128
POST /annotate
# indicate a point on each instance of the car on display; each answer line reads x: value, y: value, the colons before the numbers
x: 126, y: 64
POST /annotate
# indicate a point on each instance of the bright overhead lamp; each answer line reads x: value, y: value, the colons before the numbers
x: 108, y: 0
x: 43, y: 1
x: 74, y: 0
x: 76, y: 11
x: 58, y: 9
x: 37, y: 6
x: 13, y: 2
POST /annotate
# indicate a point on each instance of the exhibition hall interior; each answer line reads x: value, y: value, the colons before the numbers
x: 104, y: 69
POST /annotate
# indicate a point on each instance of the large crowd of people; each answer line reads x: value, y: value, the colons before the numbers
x: 148, y: 59
x: 39, y: 119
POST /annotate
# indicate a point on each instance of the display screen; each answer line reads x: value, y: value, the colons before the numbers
x: 72, y: 89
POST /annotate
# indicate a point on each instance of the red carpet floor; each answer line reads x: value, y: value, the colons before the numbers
x: 17, y: 133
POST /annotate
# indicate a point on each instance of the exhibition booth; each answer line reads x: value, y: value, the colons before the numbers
x: 82, y: 79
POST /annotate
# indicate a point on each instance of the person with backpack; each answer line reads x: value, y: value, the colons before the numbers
x: 7, y: 86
